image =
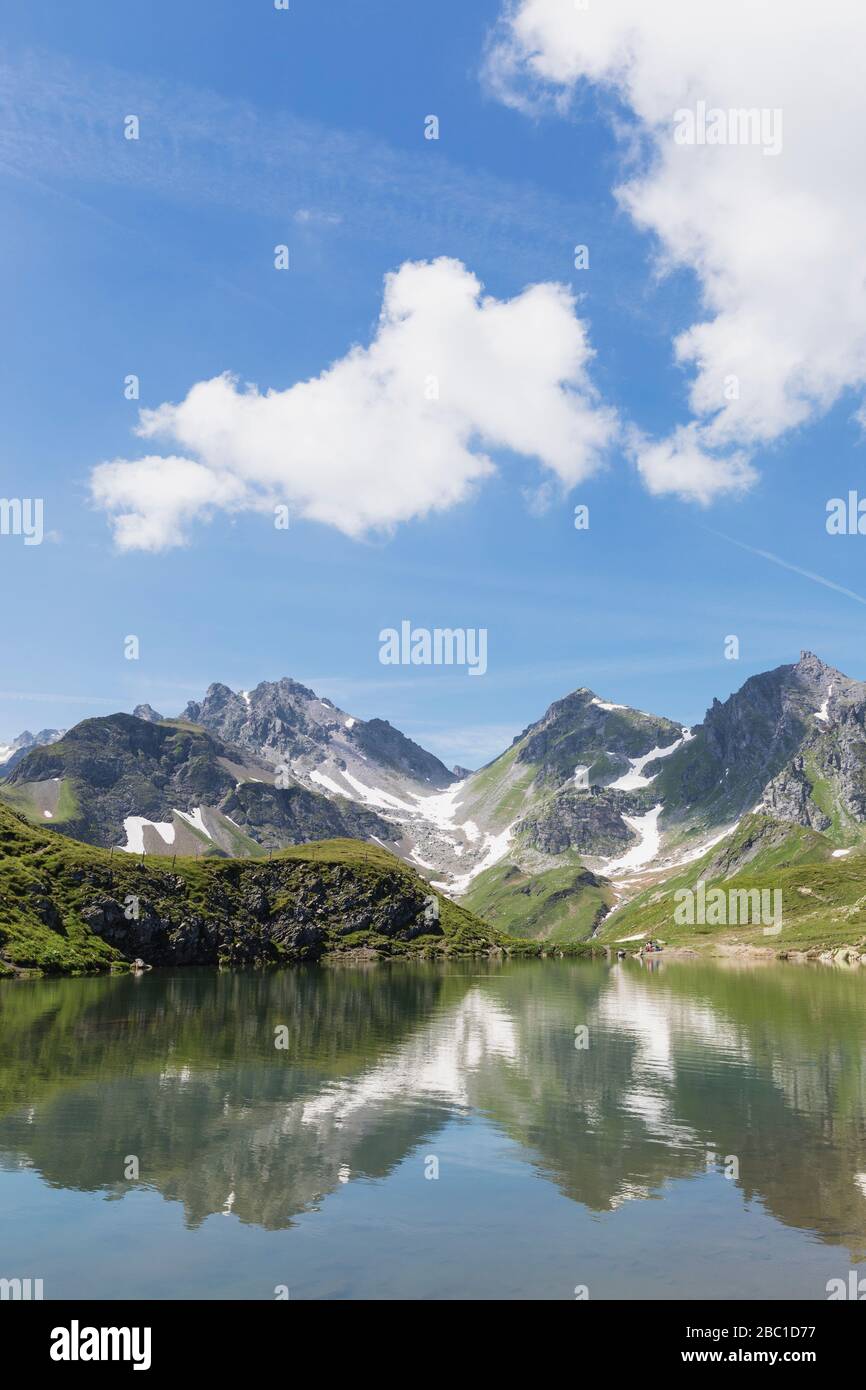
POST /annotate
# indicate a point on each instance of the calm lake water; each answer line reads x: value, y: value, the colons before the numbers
x: 708, y: 1142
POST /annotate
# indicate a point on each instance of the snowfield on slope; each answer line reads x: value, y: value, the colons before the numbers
x: 634, y: 779
x: 647, y: 847
x: 135, y: 827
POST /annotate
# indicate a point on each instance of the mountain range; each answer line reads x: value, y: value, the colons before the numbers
x: 591, y: 809
x: 12, y: 753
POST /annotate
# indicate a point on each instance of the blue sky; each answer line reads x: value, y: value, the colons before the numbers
x: 261, y: 127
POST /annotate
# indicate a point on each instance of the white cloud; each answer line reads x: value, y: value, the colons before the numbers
x: 367, y: 444
x: 679, y: 464
x: 776, y: 240
x: 152, y: 499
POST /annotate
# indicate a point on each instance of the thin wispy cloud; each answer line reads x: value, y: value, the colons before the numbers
x: 61, y: 123
x: 51, y: 696
x: 786, y: 565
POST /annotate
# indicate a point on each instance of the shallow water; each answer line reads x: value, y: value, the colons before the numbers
x: 709, y: 1141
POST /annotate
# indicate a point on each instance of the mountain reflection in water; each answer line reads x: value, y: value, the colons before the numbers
x: 685, y: 1069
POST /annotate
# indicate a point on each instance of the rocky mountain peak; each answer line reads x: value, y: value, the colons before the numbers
x: 12, y: 753
x: 148, y: 713
x: 810, y: 669
x: 284, y: 720
x: 810, y: 662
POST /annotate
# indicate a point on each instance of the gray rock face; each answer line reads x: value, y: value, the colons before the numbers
x: 279, y: 816
x: 789, y: 797
x: 386, y: 746
x: 840, y: 753
x: 284, y: 721
x: 276, y: 912
x: 753, y: 738
x: 148, y: 713
x: 590, y: 822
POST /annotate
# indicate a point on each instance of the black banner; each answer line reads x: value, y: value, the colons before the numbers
x: 224, y: 1338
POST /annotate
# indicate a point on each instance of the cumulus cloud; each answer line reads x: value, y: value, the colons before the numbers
x: 679, y: 464
x: 390, y: 432
x: 152, y: 499
x: 774, y: 235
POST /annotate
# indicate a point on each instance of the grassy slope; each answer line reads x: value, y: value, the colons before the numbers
x: 823, y: 899
x: 19, y: 798
x: 47, y: 879
x: 555, y: 905
x: 497, y: 793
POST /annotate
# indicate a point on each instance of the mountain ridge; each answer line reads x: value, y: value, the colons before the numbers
x: 593, y: 799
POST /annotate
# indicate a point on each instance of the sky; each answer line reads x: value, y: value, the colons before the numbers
x: 432, y: 386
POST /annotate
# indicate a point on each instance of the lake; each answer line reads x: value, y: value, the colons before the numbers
x: 513, y: 1130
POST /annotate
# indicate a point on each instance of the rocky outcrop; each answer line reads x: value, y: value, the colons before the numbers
x: 280, y: 912
x: 840, y: 755
x: 589, y: 822
x: 339, y: 896
x: 788, y: 797
x: 148, y: 713
x: 284, y: 721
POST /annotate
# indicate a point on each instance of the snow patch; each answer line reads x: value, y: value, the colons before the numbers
x: 196, y: 820
x: 822, y: 712
x: 647, y: 827
x: 840, y: 853
x: 374, y: 796
x: 603, y: 704
x: 135, y: 827
x: 425, y: 864
x: 328, y: 783
x: 441, y: 809
x: 634, y: 778
x: 495, y: 848
x: 350, y: 723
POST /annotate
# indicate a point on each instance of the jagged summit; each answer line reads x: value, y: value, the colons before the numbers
x: 286, y: 722
x: 147, y: 713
